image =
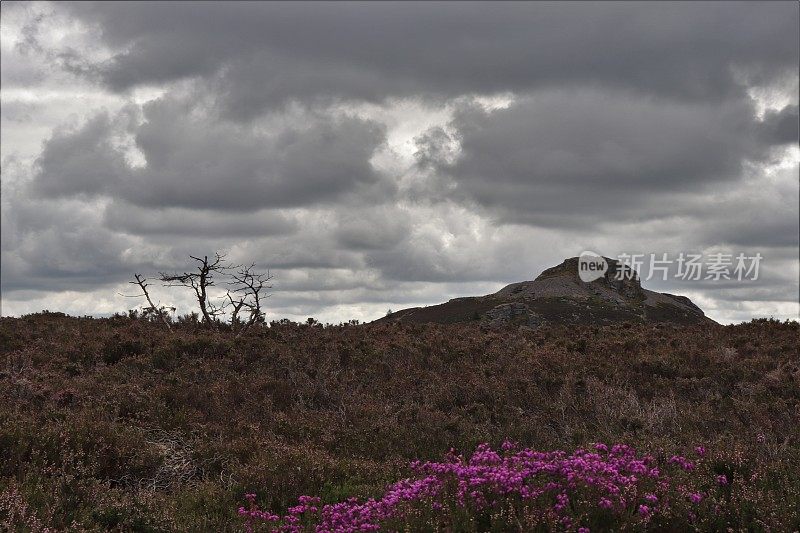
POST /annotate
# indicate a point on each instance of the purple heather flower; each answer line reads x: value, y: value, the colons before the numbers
x: 486, y: 478
x: 509, y: 445
x: 700, y: 450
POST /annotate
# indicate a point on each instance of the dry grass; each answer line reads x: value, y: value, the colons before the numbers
x: 116, y: 423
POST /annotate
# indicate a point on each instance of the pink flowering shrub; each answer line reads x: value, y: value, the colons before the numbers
x: 516, y: 489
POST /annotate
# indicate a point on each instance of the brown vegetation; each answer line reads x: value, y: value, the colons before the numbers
x: 119, y: 423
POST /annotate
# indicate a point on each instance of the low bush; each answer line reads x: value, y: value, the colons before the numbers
x: 119, y: 424
x: 595, y: 489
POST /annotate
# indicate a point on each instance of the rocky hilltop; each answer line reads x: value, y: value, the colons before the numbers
x: 558, y: 295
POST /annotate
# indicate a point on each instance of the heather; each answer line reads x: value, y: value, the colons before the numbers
x: 118, y: 424
x: 522, y: 489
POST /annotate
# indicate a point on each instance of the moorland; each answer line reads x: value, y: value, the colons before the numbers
x: 119, y: 424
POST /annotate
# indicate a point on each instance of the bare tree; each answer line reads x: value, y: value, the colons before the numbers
x: 158, y: 310
x: 200, y: 281
x: 245, y: 295
x: 249, y: 286
x: 237, y: 307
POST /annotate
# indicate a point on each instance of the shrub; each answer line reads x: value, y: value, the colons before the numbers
x: 116, y: 350
x: 182, y: 423
x: 524, y: 490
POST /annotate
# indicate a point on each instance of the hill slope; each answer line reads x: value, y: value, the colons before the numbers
x: 559, y: 296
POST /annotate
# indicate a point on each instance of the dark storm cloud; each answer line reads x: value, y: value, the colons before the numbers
x: 193, y: 160
x: 62, y: 244
x: 133, y: 220
x: 758, y: 215
x: 263, y: 53
x: 80, y: 162
x: 372, y: 229
x: 630, y: 126
x: 200, y: 162
x: 572, y: 158
x: 766, y: 229
x: 781, y: 127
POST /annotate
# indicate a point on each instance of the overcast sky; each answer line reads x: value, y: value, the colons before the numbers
x: 385, y: 155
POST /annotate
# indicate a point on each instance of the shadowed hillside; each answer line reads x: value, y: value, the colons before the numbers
x: 558, y: 296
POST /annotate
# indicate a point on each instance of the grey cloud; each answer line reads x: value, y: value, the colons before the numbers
x: 781, y: 127
x: 270, y: 52
x: 631, y: 125
x: 58, y: 246
x: 205, y: 163
x: 738, y: 292
x: 573, y: 158
x: 765, y: 228
x: 80, y: 162
x: 312, y: 248
x: 435, y: 147
x: 195, y: 161
x: 777, y: 282
x: 372, y: 229
x: 761, y: 212
x: 449, y: 250
x: 18, y: 112
x: 306, y: 300
x: 174, y: 221
x: 16, y: 72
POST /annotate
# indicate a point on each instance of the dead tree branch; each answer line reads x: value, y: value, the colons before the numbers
x: 141, y: 282
x: 237, y: 306
x: 199, y: 282
x: 245, y: 295
x: 249, y: 285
